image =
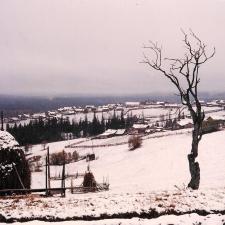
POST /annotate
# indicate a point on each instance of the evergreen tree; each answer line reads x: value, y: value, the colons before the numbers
x: 14, y: 169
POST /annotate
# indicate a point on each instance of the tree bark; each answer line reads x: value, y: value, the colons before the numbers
x: 194, y: 166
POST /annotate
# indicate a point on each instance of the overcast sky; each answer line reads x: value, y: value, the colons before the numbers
x: 50, y: 47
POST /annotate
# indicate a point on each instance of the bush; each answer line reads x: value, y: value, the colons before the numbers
x: 60, y: 157
x: 13, y: 161
x: 134, y: 142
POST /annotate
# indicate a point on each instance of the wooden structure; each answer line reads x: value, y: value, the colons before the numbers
x: 51, y: 191
x: 81, y: 189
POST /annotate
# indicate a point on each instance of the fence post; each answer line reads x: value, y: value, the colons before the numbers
x: 49, y: 175
x: 46, y: 176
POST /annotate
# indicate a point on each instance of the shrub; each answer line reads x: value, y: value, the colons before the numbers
x: 13, y: 167
x: 60, y: 157
x: 134, y: 142
x: 75, y: 156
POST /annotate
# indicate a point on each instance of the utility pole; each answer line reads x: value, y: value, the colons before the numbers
x: 2, y: 121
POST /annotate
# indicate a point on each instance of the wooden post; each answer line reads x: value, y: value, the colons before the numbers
x: 49, y: 175
x: 46, y: 175
x: 71, y: 184
x: 63, y: 177
x: 19, y: 178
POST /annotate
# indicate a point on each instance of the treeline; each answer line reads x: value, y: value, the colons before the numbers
x: 50, y: 130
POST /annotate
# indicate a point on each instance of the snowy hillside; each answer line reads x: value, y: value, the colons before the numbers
x: 159, y: 164
x: 147, y: 183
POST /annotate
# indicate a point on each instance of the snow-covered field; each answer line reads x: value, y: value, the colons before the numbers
x: 159, y: 164
x: 149, y: 179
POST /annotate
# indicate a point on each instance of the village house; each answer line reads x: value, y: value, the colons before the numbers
x: 119, y: 108
x: 182, y: 124
x: 24, y: 116
x: 90, y: 108
x: 38, y: 116
x: 160, y: 103
x: 107, y: 134
x: 67, y: 136
x: 138, y: 129
x: 103, y: 108
x: 79, y: 110
x: 111, y: 133
x: 212, y: 103
x: 213, y: 123
x: 132, y: 104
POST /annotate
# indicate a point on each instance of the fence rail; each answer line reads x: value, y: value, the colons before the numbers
x: 52, y: 191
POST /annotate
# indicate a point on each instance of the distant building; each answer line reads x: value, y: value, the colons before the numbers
x: 24, y: 116
x: 13, y: 120
x: 202, y: 102
x: 138, y: 129
x: 132, y: 104
x: 51, y: 113
x: 212, y: 103
x: 79, y: 110
x: 119, y: 108
x: 213, y: 123
x: 120, y: 132
x: 103, y: 109
x: 90, y: 108
x: 111, y: 133
x: 107, y: 134
x: 67, y: 136
x: 184, y: 123
x: 160, y: 103
x: 172, y: 105
x: 38, y: 116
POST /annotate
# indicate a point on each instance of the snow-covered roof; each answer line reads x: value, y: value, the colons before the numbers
x: 67, y: 108
x: 7, y: 140
x: 90, y: 106
x: 172, y: 105
x: 108, y: 132
x: 51, y: 112
x: 79, y: 110
x: 132, y: 103
x: 140, y: 126
x: 120, y: 131
x: 212, y: 103
x: 37, y: 115
x: 160, y: 103
x: 185, y: 122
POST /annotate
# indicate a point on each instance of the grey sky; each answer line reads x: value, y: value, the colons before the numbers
x: 94, y: 46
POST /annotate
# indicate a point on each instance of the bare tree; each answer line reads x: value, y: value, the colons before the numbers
x: 184, y: 74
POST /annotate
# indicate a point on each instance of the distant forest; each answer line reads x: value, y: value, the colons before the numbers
x: 39, y: 131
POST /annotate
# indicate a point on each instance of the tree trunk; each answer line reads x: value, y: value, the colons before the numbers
x: 194, y: 166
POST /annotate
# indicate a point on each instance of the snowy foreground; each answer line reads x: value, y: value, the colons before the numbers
x: 146, y: 187
x: 192, y: 219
